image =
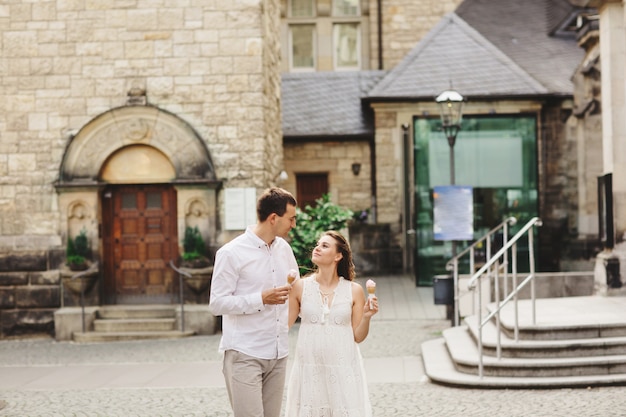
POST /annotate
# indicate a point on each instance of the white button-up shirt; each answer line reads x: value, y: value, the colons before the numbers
x: 244, y: 268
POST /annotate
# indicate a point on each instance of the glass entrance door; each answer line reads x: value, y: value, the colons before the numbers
x: 494, y: 155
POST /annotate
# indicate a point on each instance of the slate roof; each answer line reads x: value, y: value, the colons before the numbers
x: 486, y: 49
x: 455, y: 55
x: 520, y: 30
x: 326, y: 103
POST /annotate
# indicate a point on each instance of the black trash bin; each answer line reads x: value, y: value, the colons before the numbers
x: 443, y: 289
x: 613, y: 279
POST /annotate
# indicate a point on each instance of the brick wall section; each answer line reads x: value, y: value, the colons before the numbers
x: 558, y: 190
x: 214, y: 64
x: 65, y: 62
x: 388, y: 169
x: 28, y: 297
x: 271, y: 90
x: 405, y: 23
x: 335, y: 158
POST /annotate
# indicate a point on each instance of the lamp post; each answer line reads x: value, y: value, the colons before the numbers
x: 451, y: 110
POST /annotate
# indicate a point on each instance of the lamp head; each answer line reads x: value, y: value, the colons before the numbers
x: 451, y: 110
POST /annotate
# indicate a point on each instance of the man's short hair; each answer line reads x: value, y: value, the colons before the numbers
x: 273, y: 200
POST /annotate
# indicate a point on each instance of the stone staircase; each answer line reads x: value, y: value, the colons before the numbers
x: 125, y: 322
x: 576, y: 341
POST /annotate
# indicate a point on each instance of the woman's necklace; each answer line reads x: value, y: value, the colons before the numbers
x: 325, y: 301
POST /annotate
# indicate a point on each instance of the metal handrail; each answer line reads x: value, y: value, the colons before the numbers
x: 494, y: 263
x: 181, y: 273
x: 453, y: 263
x: 81, y: 274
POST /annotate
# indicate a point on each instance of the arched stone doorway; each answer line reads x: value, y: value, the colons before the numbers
x: 138, y: 176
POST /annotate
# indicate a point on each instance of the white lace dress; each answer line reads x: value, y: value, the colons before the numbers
x: 327, y: 378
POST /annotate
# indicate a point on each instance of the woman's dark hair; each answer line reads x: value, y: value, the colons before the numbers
x: 345, y: 267
x: 273, y: 200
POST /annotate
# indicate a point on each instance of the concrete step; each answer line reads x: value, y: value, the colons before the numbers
x: 566, y: 318
x: 136, y: 311
x: 134, y: 325
x: 92, y: 337
x: 531, y: 348
x: 440, y: 368
x: 464, y: 353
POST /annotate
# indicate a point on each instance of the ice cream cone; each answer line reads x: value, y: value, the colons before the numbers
x: 370, y: 285
x: 291, y: 276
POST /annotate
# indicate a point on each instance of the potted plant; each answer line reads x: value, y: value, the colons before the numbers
x: 78, y: 276
x: 194, y: 249
x: 77, y: 252
x: 195, y: 262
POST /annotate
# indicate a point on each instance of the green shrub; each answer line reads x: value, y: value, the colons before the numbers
x: 193, y: 244
x: 77, y: 250
x: 310, y: 223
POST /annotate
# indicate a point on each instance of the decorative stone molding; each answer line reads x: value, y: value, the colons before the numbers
x: 89, y: 150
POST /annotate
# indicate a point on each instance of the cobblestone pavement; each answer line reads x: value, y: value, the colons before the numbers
x: 388, y: 338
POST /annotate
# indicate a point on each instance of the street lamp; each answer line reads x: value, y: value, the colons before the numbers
x: 451, y: 109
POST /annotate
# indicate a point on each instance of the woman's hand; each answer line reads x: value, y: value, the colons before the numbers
x: 371, y: 307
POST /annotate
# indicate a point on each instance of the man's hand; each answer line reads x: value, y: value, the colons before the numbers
x: 278, y: 295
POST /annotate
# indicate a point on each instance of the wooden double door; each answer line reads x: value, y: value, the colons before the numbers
x: 139, y: 238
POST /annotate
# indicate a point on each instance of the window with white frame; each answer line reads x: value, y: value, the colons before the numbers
x: 302, y: 45
x: 302, y: 8
x: 346, y: 45
x: 346, y: 8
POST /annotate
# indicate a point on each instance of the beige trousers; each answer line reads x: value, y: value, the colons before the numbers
x: 255, y: 386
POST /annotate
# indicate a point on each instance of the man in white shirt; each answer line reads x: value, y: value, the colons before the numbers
x: 250, y: 290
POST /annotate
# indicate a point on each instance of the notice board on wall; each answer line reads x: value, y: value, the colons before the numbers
x: 240, y: 208
x: 453, y: 212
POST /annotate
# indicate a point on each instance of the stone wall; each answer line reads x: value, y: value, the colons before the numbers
x: 374, y: 249
x: 213, y: 64
x: 335, y: 158
x: 585, y: 126
x: 29, y: 292
x: 67, y: 62
x: 404, y: 24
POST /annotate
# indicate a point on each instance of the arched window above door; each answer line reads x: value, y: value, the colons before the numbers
x: 138, y: 164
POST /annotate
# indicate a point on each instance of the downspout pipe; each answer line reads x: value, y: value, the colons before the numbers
x: 379, y: 19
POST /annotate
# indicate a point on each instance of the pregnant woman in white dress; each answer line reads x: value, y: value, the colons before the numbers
x: 327, y: 378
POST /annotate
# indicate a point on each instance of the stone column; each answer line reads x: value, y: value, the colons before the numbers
x: 613, y: 62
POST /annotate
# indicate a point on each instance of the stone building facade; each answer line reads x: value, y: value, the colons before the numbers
x: 601, y: 134
x: 185, y: 95
x: 390, y: 28
x: 403, y: 23
x: 109, y: 105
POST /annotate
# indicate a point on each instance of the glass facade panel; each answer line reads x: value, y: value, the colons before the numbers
x: 346, y: 41
x: 494, y: 155
x: 302, y: 46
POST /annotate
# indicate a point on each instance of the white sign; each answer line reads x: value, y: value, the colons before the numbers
x: 454, y: 213
x: 240, y: 208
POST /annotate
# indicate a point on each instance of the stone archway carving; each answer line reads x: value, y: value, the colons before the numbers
x: 135, y: 125
x: 177, y: 156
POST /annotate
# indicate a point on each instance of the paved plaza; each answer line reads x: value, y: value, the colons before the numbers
x: 42, y: 377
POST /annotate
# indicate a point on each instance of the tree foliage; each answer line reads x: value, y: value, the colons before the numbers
x: 310, y: 223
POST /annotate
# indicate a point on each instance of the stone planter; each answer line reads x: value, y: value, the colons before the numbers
x: 200, y: 279
x: 84, y: 281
